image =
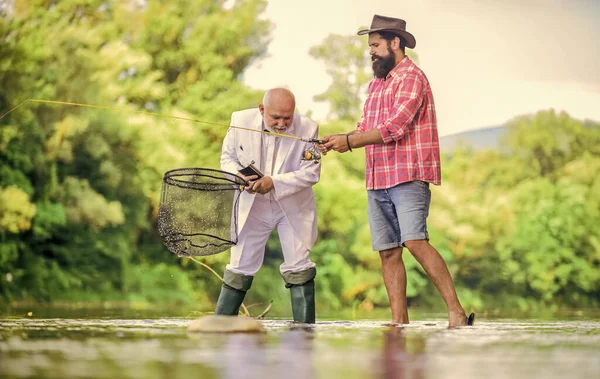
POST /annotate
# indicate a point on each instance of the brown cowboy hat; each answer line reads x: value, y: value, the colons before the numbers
x: 390, y: 24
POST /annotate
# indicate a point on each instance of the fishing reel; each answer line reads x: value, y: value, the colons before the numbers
x: 311, y: 154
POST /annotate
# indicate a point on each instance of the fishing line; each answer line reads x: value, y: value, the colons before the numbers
x: 304, y: 139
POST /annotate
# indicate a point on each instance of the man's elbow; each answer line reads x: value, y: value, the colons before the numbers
x: 314, y: 178
x: 395, y: 133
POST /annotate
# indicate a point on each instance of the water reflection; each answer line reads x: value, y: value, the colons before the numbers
x: 161, y: 348
x: 244, y: 356
x: 403, y: 355
x: 296, y: 354
x: 253, y: 355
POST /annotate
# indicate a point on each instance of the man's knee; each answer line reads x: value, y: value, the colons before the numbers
x: 237, y: 281
x: 417, y: 246
x: 419, y: 249
x: 391, y: 254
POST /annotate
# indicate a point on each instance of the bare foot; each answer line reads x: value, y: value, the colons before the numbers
x: 456, y: 319
x: 397, y: 324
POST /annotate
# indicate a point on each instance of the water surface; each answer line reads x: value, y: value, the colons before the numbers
x: 154, y: 347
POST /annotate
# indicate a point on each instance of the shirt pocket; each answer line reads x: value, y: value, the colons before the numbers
x: 244, y: 158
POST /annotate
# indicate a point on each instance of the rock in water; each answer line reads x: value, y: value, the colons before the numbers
x: 226, y: 324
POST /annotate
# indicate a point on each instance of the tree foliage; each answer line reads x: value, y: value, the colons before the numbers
x: 348, y: 64
x: 79, y: 187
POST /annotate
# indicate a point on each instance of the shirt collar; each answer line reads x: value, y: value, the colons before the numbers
x: 395, y: 72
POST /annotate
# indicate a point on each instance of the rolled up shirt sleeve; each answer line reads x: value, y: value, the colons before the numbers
x: 407, y: 101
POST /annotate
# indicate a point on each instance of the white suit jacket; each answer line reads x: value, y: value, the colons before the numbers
x: 292, y: 177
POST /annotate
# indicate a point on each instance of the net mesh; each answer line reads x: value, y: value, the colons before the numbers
x: 198, y: 211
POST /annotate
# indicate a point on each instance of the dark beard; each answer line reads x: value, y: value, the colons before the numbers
x: 383, y: 66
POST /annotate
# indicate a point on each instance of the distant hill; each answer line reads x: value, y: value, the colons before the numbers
x: 479, y: 139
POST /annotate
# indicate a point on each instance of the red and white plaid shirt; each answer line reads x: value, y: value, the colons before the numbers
x: 401, y: 107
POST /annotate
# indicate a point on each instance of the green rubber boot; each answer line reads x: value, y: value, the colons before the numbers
x: 303, y: 302
x: 229, y: 301
x: 232, y: 294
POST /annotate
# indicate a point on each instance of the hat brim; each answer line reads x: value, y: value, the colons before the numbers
x: 411, y: 42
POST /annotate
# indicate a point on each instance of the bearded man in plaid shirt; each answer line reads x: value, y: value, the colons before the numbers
x: 398, y: 129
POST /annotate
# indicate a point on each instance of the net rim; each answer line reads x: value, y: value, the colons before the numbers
x: 170, y: 177
x: 176, y: 239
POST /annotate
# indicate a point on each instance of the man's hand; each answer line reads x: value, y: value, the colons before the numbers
x: 261, y: 186
x: 248, y: 179
x: 337, y: 142
x: 321, y: 148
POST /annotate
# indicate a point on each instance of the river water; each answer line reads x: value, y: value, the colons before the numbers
x: 109, y: 346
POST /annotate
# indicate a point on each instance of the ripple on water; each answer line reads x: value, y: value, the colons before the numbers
x: 149, y: 348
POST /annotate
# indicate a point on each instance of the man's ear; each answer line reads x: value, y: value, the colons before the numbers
x: 261, y: 108
x: 395, y: 43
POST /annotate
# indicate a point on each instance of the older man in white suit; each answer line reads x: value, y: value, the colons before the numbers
x: 283, y: 198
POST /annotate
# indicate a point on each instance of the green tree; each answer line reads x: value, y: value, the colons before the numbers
x: 519, y: 223
x: 348, y: 64
x: 80, y: 187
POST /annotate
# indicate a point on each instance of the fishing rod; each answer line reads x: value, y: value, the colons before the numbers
x: 304, y: 139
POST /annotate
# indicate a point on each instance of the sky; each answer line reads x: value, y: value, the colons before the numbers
x: 487, y: 61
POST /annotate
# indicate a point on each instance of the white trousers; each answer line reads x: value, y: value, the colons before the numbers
x: 248, y: 254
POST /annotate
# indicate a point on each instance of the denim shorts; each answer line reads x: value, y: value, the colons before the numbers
x: 398, y: 214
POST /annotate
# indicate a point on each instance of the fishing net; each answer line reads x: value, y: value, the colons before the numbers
x: 198, y: 211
